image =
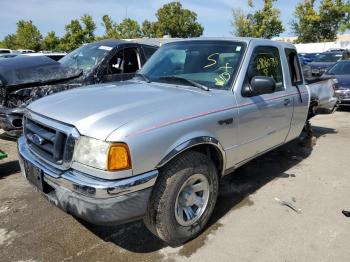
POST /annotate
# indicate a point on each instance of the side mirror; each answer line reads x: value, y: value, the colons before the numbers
x: 259, y: 85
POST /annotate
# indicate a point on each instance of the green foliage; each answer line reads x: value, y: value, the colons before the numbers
x: 149, y: 29
x: 51, y: 42
x: 320, y: 25
x: 28, y: 36
x: 173, y: 20
x: 73, y: 37
x: 263, y: 23
x: 89, y: 27
x: 315, y: 21
x: 110, y: 28
x: 77, y: 34
x: 345, y: 24
x: 9, y: 42
x: 129, y: 29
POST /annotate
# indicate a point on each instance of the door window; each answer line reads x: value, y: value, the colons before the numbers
x: 124, y: 62
x: 266, y: 61
x: 294, y: 67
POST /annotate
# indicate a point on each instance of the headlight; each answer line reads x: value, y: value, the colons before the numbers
x: 102, y: 155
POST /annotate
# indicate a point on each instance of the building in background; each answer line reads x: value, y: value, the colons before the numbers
x: 342, y: 42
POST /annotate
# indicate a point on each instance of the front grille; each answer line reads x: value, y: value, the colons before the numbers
x: 49, y: 143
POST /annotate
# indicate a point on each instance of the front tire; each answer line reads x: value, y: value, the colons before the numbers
x: 183, y: 198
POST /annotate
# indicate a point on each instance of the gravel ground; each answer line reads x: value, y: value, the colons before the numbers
x: 248, y: 224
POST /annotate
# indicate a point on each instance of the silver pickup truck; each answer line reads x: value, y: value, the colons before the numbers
x: 155, y: 147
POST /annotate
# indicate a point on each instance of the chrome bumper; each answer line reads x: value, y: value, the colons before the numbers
x: 95, y: 200
x: 87, y: 185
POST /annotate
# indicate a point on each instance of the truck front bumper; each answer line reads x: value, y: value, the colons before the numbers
x: 98, y: 201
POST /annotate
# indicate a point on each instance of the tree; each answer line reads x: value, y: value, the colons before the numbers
x: 320, y: 25
x: 129, y: 29
x: 345, y: 25
x: 89, y: 28
x: 149, y: 29
x: 28, y: 36
x: 263, y: 23
x: 110, y: 28
x: 9, y: 42
x: 77, y: 34
x: 173, y: 20
x: 73, y: 37
x: 51, y: 42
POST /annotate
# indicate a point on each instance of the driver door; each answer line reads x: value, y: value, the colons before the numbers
x: 264, y: 120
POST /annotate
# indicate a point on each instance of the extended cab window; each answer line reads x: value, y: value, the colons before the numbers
x: 266, y: 61
x: 294, y: 67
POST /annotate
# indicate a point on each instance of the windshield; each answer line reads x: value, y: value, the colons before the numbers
x: 213, y: 64
x: 328, y: 57
x: 341, y: 68
x: 86, y: 57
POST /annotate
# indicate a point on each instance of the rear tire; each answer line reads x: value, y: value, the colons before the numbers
x: 183, y: 198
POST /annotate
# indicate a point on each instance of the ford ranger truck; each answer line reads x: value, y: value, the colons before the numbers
x: 156, y: 146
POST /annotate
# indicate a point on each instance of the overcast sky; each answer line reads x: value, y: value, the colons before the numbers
x: 50, y: 15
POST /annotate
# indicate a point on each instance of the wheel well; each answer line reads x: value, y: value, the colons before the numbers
x: 212, y: 152
x: 312, y: 108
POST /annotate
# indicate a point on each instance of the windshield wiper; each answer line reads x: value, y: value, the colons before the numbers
x: 188, y: 81
x: 146, y: 78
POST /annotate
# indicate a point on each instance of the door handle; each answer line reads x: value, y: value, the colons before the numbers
x: 286, y: 101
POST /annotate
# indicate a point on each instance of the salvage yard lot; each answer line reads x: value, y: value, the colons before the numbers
x: 248, y: 224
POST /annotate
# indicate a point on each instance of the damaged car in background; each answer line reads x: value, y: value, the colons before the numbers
x: 25, y: 79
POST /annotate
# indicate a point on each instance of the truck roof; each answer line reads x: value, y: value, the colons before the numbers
x: 235, y: 39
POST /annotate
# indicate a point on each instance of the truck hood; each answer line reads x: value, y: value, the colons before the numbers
x: 36, y: 70
x: 97, y: 111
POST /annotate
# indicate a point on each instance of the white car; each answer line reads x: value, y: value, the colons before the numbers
x: 25, y: 51
x: 5, y: 51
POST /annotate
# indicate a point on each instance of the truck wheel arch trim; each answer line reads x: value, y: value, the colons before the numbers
x: 203, y: 140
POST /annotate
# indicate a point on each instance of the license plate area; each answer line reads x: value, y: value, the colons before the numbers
x: 34, y: 175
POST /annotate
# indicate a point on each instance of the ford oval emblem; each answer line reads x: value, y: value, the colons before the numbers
x: 38, y: 140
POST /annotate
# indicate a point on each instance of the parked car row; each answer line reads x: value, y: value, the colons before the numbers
x: 323, y: 61
x: 333, y: 64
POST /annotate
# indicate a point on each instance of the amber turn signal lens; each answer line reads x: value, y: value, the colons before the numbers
x: 118, y: 157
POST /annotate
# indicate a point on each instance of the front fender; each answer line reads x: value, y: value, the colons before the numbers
x: 195, y: 141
